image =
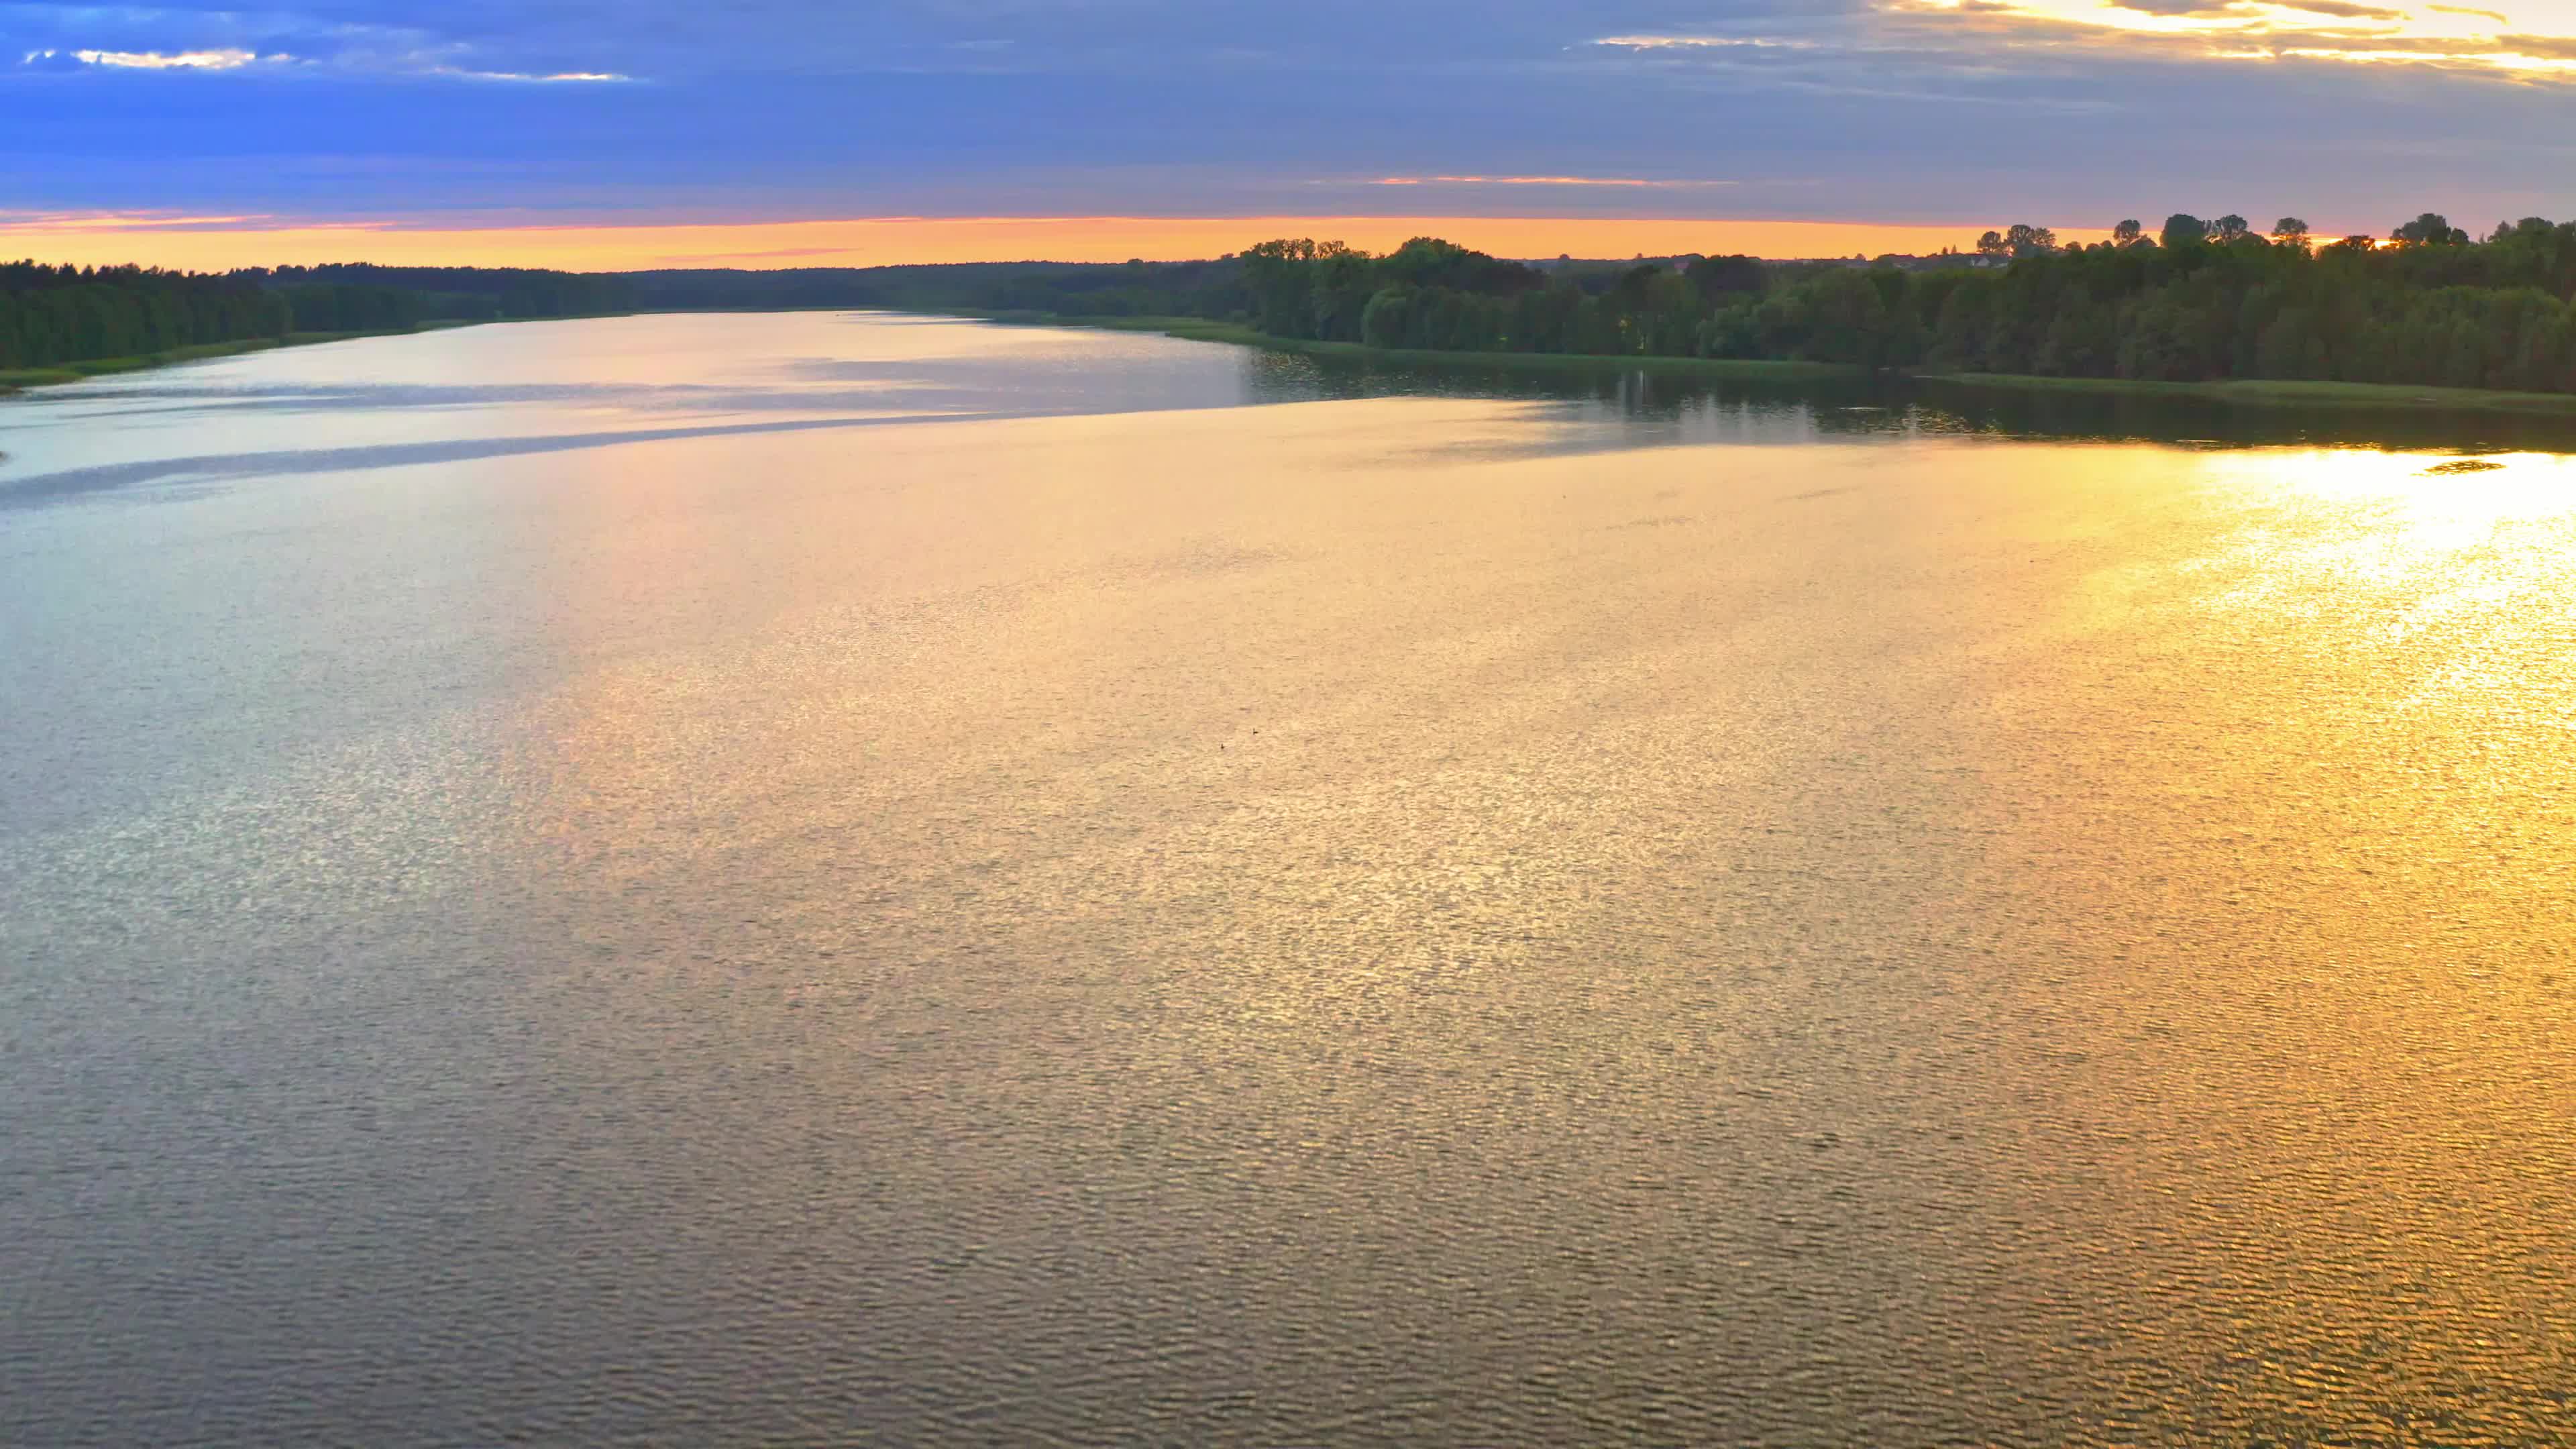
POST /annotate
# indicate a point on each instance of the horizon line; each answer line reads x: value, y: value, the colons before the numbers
x: 224, y: 242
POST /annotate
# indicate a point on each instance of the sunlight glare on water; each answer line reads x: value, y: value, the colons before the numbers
x: 1176, y: 894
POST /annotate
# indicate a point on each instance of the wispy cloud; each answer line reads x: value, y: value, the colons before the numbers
x: 569, y: 77
x: 356, y: 64
x: 142, y: 38
x: 1703, y: 42
x: 1638, y: 183
x: 44, y: 221
x: 227, y: 59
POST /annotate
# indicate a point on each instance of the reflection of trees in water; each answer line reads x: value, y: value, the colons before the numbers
x: 1860, y: 407
x: 1625, y: 394
x: 2144, y: 418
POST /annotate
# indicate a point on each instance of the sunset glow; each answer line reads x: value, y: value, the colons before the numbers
x: 224, y: 242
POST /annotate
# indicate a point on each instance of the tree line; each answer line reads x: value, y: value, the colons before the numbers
x: 51, y: 315
x: 2197, y: 300
x: 464, y: 294
x: 2211, y: 300
x: 1080, y: 289
x: 2194, y: 300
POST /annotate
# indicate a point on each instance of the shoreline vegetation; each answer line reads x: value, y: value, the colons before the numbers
x: 2209, y: 311
x: 2250, y: 393
x: 2281, y: 393
x: 18, y: 379
x: 62, y: 324
x: 1198, y: 329
x: 2243, y: 392
x: 2426, y: 320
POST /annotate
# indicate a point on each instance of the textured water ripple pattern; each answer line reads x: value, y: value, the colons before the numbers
x: 1391, y: 920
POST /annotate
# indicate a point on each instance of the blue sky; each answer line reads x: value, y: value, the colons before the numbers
x: 2068, y: 112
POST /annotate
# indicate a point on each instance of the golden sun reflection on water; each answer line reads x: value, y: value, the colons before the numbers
x: 2460, y: 569
x: 2284, y: 824
x: 2433, y: 501
x: 1418, y: 920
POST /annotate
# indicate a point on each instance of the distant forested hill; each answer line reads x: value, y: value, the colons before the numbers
x: 63, y: 314
x: 456, y: 293
x: 1128, y: 289
x: 2197, y: 301
x: 56, y: 315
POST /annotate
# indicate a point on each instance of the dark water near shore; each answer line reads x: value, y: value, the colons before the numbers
x: 811, y: 879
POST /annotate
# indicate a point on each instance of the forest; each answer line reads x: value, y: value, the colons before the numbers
x: 461, y: 294
x: 50, y: 315
x: 2196, y: 301
x: 66, y: 314
x: 1084, y: 289
x: 2192, y: 301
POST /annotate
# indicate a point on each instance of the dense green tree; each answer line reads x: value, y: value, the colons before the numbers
x: 1431, y: 262
x: 1844, y: 317
x: 1721, y: 277
x: 1343, y: 283
x: 1279, y: 276
x: 2432, y: 229
x: 2025, y: 240
x: 1388, y: 320
x: 1662, y: 313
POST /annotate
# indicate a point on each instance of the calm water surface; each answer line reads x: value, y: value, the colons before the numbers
x: 826, y: 879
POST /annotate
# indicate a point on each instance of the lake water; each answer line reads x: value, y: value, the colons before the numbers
x: 825, y: 879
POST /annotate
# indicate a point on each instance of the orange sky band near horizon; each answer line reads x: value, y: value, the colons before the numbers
x: 221, y: 243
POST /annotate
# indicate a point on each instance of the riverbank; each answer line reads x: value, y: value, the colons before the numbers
x: 21, y: 378
x: 2276, y: 393
x: 1199, y: 329
x: 2241, y: 392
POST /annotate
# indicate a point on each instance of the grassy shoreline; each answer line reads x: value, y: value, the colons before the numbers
x: 2238, y: 392
x: 2279, y: 393
x: 20, y: 378
x: 1199, y: 329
